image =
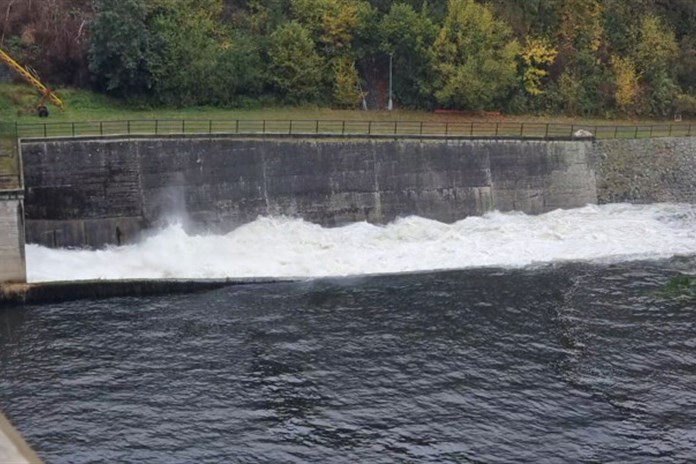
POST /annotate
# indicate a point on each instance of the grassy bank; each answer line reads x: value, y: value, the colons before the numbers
x: 16, y: 101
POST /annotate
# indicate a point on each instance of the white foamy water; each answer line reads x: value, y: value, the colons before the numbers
x: 285, y: 247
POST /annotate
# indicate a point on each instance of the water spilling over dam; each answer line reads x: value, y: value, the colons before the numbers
x: 285, y: 247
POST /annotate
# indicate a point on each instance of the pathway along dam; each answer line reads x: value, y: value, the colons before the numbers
x: 93, y: 192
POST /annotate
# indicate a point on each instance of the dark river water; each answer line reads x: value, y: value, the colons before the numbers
x: 567, y: 363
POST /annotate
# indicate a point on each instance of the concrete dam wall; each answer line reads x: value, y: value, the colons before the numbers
x: 97, y: 191
x: 12, y: 260
x: 91, y: 192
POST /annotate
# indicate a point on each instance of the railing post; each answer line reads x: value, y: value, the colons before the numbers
x: 73, y: 129
x: 546, y: 135
x: 497, y: 126
x: 670, y: 130
x: 522, y: 130
x: 689, y: 135
x: 343, y: 128
x: 210, y: 126
x: 183, y: 126
x: 44, y: 130
x: 236, y: 126
x: 421, y: 128
x: 290, y: 130
x: 369, y: 128
x: 572, y: 130
x: 101, y: 128
x: 395, y: 123
x: 128, y: 127
x: 316, y: 126
x: 446, y: 129
x: 635, y: 136
x: 616, y: 132
x: 471, y: 129
x: 651, y: 130
x: 263, y: 129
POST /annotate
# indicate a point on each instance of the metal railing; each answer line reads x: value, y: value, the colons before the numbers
x: 349, y: 128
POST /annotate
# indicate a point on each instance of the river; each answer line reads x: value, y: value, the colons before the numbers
x: 542, y: 358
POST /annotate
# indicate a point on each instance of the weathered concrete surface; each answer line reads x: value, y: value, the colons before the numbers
x: 12, y: 261
x: 646, y: 171
x: 13, y: 449
x: 93, y: 192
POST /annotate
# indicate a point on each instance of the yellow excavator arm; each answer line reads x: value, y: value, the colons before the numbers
x: 19, y: 69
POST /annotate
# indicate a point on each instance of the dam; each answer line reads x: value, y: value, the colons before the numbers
x: 92, y: 192
x: 522, y: 274
x: 124, y: 186
x: 97, y: 191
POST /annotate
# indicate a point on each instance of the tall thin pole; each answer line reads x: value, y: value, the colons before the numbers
x: 390, y: 105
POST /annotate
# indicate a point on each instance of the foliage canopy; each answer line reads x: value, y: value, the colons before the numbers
x: 589, y: 57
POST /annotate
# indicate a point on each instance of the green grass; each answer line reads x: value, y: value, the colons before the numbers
x: 85, y: 110
x: 16, y: 102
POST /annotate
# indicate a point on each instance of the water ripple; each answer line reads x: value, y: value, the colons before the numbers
x: 566, y: 363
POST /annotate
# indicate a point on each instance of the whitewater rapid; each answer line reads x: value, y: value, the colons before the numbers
x: 287, y: 247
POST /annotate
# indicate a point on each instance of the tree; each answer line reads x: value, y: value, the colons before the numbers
x: 331, y: 23
x: 581, y: 71
x: 686, y: 64
x: 655, y: 55
x: 537, y: 56
x: 51, y: 36
x: 474, y: 57
x: 121, y: 53
x: 346, y: 83
x: 193, y: 52
x: 657, y: 46
x: 408, y: 37
x: 627, y: 86
x: 528, y: 17
x: 295, y: 66
x: 581, y: 26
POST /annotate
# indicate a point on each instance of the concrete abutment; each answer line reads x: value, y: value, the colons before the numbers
x: 12, y: 259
